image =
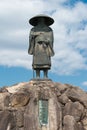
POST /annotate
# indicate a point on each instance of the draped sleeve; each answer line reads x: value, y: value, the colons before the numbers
x: 31, y: 42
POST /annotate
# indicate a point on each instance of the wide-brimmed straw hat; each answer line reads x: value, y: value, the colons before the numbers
x: 48, y: 20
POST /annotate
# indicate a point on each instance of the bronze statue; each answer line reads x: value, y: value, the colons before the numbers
x: 41, y: 43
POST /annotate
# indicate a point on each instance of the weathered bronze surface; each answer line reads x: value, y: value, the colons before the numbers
x: 41, y: 44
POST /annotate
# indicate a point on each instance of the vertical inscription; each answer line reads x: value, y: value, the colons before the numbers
x: 43, y: 112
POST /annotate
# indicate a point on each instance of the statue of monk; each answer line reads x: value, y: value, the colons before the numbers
x: 41, y: 44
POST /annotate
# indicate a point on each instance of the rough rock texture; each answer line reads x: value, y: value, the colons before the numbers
x: 67, y: 108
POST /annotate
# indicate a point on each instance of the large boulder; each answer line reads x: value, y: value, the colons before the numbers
x: 74, y: 109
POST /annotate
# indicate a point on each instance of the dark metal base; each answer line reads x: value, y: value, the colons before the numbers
x: 39, y: 79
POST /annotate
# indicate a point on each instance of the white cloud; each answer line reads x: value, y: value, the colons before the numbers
x: 15, y: 58
x: 70, y: 32
x: 84, y: 83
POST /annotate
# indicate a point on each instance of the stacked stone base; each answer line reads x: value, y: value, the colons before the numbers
x: 67, y: 106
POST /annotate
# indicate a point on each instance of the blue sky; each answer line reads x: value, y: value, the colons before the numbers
x: 69, y: 65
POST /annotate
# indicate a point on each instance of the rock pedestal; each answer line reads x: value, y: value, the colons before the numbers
x: 20, y: 108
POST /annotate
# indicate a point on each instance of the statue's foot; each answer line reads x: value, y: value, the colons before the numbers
x: 37, y: 77
x: 45, y: 77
